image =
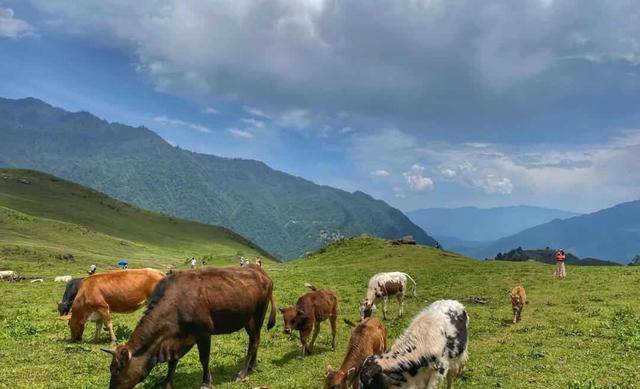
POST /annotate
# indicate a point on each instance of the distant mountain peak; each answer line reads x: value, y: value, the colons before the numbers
x: 136, y: 165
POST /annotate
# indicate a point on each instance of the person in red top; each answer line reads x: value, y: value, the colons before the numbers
x: 561, y: 271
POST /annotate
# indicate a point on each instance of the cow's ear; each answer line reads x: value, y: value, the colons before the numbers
x: 329, y: 369
x: 123, y: 355
x: 281, y: 310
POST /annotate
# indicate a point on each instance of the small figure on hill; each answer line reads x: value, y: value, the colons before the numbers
x: 193, y: 263
x: 92, y: 269
x: 259, y: 261
x: 243, y: 261
x: 204, y: 262
x: 561, y: 271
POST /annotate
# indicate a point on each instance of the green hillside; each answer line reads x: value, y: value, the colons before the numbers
x: 286, y: 215
x: 574, y: 333
x: 48, y: 222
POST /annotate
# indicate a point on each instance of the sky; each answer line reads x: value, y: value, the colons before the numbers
x: 421, y: 103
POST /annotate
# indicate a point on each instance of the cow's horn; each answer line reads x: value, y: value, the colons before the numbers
x: 106, y: 350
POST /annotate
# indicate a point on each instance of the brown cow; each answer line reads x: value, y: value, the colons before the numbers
x: 101, y: 294
x: 311, y: 309
x: 186, y: 309
x: 368, y: 338
x: 518, y: 300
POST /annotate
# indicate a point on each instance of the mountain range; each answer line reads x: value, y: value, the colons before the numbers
x: 609, y: 234
x: 285, y: 215
x: 466, y: 225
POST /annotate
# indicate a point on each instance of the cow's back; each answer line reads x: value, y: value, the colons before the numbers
x: 321, y: 302
x: 122, y: 290
x: 219, y: 299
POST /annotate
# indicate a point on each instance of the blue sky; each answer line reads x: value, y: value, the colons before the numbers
x: 419, y: 103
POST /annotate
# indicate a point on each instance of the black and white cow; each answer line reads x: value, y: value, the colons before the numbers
x: 432, y: 349
x: 381, y: 287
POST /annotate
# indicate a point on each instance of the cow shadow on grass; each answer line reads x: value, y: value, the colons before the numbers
x: 221, y: 373
x: 295, y: 354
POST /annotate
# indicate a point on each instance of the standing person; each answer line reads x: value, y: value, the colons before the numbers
x: 92, y: 269
x: 561, y: 271
x: 193, y: 263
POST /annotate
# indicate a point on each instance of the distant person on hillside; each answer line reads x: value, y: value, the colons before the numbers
x: 561, y: 271
x: 193, y: 263
x: 204, y: 262
x: 92, y: 269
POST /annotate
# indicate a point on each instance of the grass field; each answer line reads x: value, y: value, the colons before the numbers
x: 583, y: 332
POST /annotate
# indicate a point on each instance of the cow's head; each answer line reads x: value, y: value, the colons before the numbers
x: 371, y: 375
x: 294, y: 319
x: 366, y: 308
x: 64, y: 307
x: 338, y: 379
x: 127, y: 370
x: 76, y: 327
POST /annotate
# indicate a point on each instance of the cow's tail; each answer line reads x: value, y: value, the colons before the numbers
x: 272, y: 315
x: 415, y: 294
x: 308, y: 285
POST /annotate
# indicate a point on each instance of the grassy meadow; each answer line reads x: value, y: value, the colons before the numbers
x: 579, y: 333
x: 583, y: 332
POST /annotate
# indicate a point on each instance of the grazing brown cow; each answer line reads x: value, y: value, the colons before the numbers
x: 518, y: 300
x: 368, y: 338
x: 311, y: 309
x: 99, y: 295
x: 186, y: 309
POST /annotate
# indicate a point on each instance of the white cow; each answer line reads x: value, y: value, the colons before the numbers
x: 433, y: 348
x: 383, y: 285
x: 62, y: 279
x: 7, y: 274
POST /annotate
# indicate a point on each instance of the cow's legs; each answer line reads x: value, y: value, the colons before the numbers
x: 332, y: 320
x: 171, y: 370
x: 96, y: 337
x: 105, y: 317
x: 400, y: 297
x: 204, y: 349
x: 304, y: 339
x: 252, y: 352
x: 316, y: 330
x: 384, y: 307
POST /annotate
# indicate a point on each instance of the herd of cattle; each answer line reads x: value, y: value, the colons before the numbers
x: 184, y: 308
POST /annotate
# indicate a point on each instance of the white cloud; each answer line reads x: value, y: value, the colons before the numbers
x: 241, y: 134
x: 12, y: 27
x: 415, y: 179
x: 298, y: 118
x: 256, y: 112
x: 211, y: 111
x: 448, y: 173
x: 253, y: 122
x: 332, y: 56
x: 380, y: 173
x: 166, y: 121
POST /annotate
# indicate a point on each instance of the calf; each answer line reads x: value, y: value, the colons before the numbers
x: 368, y: 338
x: 518, y: 300
x: 62, y: 279
x: 383, y: 285
x: 99, y: 295
x: 186, y: 309
x: 433, y: 348
x: 310, y: 310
